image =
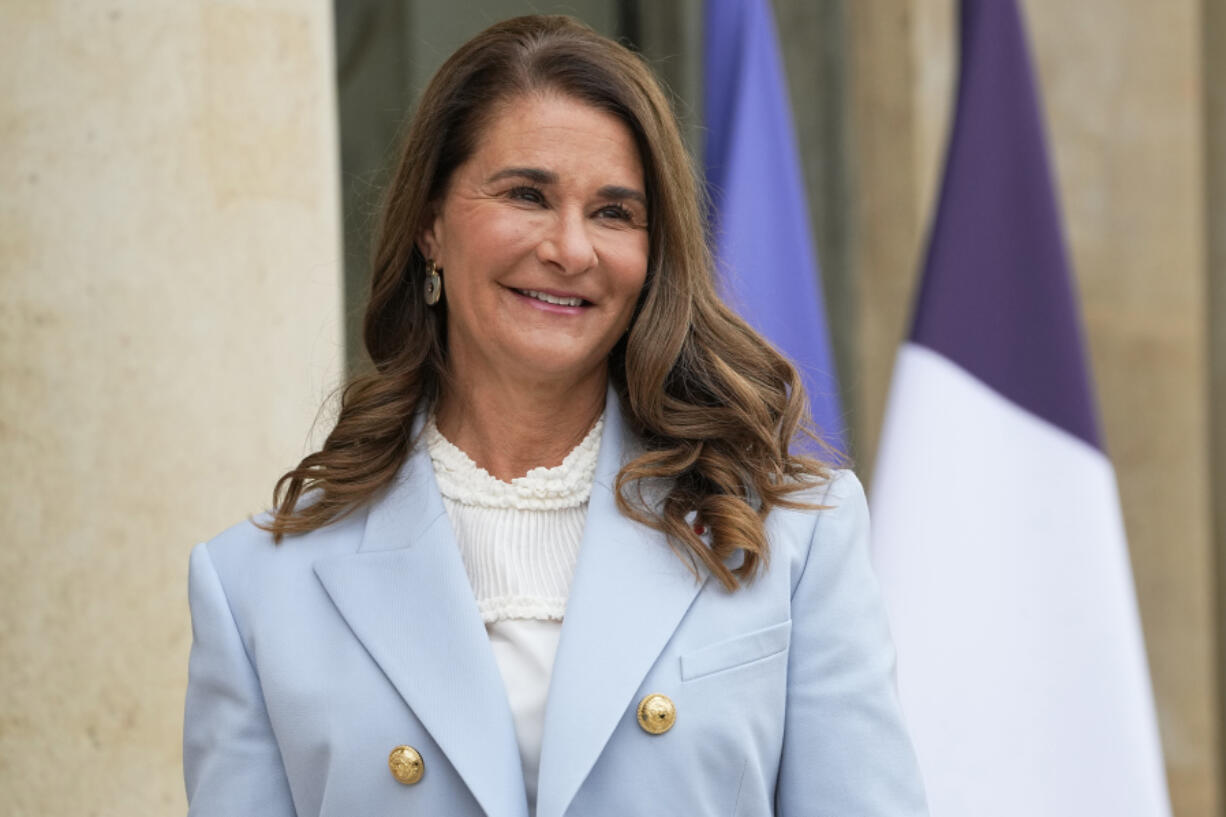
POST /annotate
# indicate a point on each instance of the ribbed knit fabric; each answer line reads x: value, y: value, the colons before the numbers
x: 520, y: 539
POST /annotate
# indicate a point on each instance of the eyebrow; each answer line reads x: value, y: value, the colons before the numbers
x: 614, y: 191
x: 533, y: 174
x: 539, y: 176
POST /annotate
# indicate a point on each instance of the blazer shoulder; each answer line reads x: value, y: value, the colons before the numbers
x: 246, y: 553
x: 840, y: 487
x: 836, y: 519
x: 243, y: 535
x: 843, y: 501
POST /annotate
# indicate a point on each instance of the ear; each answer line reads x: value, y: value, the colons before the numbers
x: 428, y: 242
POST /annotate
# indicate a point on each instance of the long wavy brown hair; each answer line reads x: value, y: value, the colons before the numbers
x: 715, y: 406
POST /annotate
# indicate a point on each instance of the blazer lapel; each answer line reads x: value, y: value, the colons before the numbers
x: 628, y: 595
x: 406, y: 596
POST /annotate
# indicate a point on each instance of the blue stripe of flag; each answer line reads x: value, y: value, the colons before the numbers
x: 764, y: 250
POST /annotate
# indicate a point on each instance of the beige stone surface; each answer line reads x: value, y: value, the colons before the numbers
x: 904, y: 67
x: 887, y: 219
x: 934, y: 55
x: 169, y: 261
x: 1213, y: 39
x: 1122, y: 85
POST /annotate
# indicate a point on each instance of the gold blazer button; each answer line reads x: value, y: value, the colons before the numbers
x: 657, y: 714
x: 406, y: 765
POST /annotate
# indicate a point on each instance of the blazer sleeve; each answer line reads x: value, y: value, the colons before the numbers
x: 846, y: 751
x: 231, y: 762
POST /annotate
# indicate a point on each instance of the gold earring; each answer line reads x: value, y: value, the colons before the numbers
x: 434, y: 283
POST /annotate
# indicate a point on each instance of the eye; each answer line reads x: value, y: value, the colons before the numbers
x: 618, y: 212
x: 526, y: 193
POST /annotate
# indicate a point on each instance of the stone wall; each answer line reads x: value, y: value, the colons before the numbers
x: 169, y: 261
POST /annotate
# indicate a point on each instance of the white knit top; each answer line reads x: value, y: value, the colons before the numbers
x: 519, y: 541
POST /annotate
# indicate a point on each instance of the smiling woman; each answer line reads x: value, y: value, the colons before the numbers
x: 542, y: 234
x: 470, y: 600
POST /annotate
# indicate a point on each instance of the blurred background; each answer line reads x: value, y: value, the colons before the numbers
x: 186, y: 195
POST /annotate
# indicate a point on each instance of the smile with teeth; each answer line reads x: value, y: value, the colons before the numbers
x: 551, y: 299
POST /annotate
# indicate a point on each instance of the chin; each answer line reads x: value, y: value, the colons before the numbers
x: 551, y: 366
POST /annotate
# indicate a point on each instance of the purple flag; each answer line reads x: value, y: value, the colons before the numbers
x: 997, y: 533
x: 997, y: 295
x: 764, y: 250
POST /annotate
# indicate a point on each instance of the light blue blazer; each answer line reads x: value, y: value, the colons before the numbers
x: 313, y: 659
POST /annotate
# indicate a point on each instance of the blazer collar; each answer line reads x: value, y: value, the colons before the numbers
x: 407, y: 598
x: 629, y: 593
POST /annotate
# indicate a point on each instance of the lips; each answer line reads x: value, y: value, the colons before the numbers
x: 552, y: 298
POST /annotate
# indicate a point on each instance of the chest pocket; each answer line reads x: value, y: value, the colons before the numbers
x: 736, y: 651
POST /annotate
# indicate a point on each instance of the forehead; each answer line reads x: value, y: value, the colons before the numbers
x: 556, y: 129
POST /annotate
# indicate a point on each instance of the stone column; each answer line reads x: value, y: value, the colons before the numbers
x: 903, y: 64
x: 169, y: 257
x: 1213, y: 61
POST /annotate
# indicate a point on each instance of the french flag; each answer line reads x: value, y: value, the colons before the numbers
x: 997, y: 535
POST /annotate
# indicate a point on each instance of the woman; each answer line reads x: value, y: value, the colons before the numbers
x: 555, y: 557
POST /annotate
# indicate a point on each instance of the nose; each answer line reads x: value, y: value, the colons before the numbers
x: 568, y: 244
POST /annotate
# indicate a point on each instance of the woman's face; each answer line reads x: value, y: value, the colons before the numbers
x: 542, y: 239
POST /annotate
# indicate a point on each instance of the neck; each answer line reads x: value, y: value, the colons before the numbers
x: 509, y: 428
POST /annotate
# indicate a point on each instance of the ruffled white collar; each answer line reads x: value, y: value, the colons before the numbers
x: 564, y: 486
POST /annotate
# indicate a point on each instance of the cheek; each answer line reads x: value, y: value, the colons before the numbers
x: 507, y: 235
x: 627, y: 261
x: 632, y: 277
x: 480, y: 239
